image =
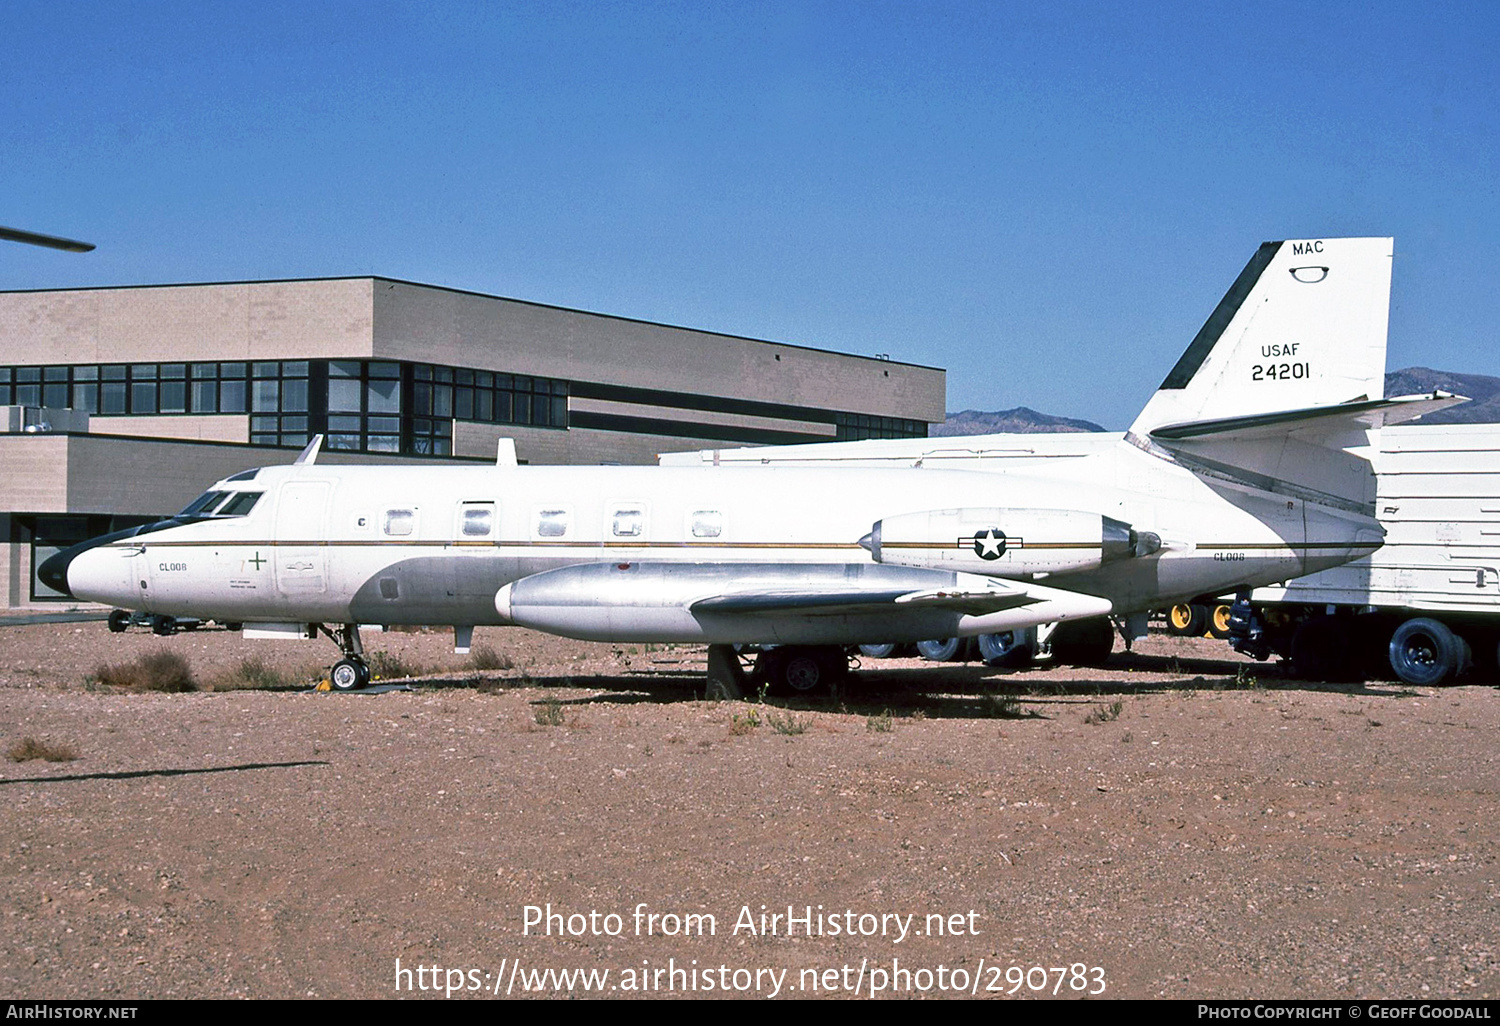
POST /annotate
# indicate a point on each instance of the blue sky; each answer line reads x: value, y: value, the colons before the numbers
x: 1047, y: 200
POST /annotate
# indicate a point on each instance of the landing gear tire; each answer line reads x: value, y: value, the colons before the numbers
x: 802, y: 670
x: 349, y: 675
x: 1187, y: 620
x: 163, y: 625
x: 1218, y: 620
x: 1425, y: 653
x: 1083, y: 642
x: 351, y: 672
x: 118, y: 621
x: 944, y: 650
x: 877, y: 651
x: 1005, y: 648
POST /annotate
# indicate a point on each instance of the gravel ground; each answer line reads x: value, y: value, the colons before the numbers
x: 1181, y: 823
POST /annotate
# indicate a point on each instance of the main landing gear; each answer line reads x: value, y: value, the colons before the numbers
x: 787, y: 671
x: 351, y: 672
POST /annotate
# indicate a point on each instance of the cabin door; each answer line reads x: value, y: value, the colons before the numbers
x: 302, y: 537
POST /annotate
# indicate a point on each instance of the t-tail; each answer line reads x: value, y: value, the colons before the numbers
x: 1287, y: 374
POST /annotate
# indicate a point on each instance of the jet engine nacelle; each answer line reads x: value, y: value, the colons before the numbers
x: 1006, y: 542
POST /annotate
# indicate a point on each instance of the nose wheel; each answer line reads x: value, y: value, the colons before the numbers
x: 351, y: 672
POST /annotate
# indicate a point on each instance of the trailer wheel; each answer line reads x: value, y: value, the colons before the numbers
x: 1187, y: 620
x: 796, y: 670
x: 1320, y: 651
x: 1425, y: 653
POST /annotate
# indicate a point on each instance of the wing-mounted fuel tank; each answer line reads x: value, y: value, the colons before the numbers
x: 778, y: 603
x: 1006, y: 542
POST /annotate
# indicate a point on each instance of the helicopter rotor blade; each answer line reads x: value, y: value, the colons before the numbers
x: 50, y: 241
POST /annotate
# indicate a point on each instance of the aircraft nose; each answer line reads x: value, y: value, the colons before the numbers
x: 93, y: 573
x: 54, y: 570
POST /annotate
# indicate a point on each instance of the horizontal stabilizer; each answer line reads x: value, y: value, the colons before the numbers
x: 1362, y: 415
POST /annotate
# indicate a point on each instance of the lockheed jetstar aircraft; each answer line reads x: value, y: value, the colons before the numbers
x: 1234, y: 475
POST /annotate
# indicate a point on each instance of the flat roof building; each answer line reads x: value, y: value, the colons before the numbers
x: 173, y: 386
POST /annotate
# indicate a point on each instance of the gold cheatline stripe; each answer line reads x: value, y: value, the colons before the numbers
x: 381, y: 542
x: 1294, y: 545
x: 376, y: 543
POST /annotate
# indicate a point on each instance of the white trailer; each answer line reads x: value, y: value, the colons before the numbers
x: 1426, y: 605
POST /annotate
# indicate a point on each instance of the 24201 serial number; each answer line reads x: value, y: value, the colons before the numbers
x: 1279, y: 371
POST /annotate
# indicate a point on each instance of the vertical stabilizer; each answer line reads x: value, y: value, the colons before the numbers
x: 1304, y: 325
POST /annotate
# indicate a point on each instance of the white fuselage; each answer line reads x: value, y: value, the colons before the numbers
x: 349, y: 544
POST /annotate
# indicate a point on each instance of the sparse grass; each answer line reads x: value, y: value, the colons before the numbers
x: 745, y: 722
x: 486, y: 658
x: 1105, y: 713
x: 29, y: 748
x: 156, y: 671
x: 1174, y: 665
x: 786, y: 723
x: 881, y: 723
x: 1004, y: 707
x: 392, y: 666
x: 254, y: 673
x: 549, y: 713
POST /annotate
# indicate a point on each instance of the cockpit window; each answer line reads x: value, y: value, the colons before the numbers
x: 221, y: 504
x: 202, y: 504
x: 238, y: 506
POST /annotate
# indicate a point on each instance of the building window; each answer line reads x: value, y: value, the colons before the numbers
x: 851, y: 427
x: 364, y: 406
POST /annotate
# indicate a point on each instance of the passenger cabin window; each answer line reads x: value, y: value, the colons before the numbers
x: 628, y: 522
x: 399, y: 522
x: 551, y: 523
x: 707, y: 523
x: 477, y: 519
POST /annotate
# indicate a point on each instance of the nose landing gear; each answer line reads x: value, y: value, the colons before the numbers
x: 351, y: 672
